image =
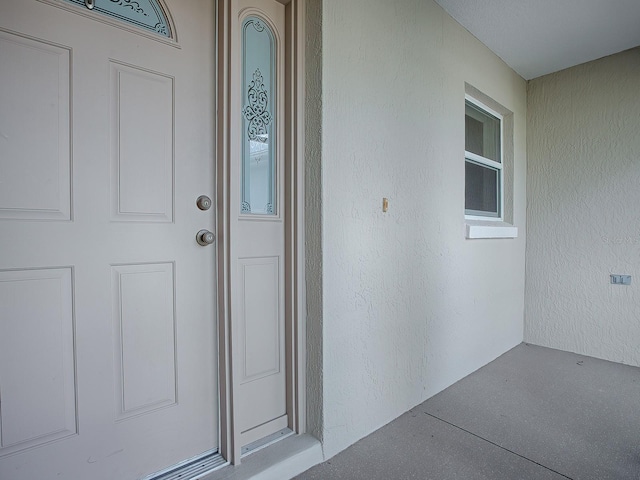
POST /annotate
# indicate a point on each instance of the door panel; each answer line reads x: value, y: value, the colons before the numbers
x: 260, y: 329
x: 44, y: 331
x: 144, y: 322
x: 257, y: 218
x: 142, y: 155
x: 36, y: 184
x: 108, y: 361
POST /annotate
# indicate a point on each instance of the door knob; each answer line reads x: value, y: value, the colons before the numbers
x: 205, y: 237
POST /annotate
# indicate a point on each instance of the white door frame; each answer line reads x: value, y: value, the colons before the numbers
x: 295, y: 301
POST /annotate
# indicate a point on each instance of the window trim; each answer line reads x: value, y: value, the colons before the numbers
x: 480, y: 160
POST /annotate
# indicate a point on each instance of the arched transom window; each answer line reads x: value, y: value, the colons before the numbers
x: 146, y: 14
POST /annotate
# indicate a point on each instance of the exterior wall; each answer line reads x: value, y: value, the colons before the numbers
x: 409, y: 306
x: 313, y: 214
x: 583, y: 217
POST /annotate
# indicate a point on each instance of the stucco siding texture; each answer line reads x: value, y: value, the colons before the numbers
x: 313, y: 216
x: 409, y: 306
x: 583, y: 215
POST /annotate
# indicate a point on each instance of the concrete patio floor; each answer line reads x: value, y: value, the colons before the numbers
x: 533, y: 413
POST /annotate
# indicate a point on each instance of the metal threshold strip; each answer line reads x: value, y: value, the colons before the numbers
x: 191, y: 469
x: 266, y: 441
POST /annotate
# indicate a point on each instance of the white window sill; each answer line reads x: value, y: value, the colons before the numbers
x: 490, y: 229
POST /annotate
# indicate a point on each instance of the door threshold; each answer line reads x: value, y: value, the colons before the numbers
x: 192, y: 469
x: 279, y: 461
x: 265, y: 441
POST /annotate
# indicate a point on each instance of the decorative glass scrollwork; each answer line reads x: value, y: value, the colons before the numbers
x: 146, y: 14
x: 256, y: 112
x: 258, y: 118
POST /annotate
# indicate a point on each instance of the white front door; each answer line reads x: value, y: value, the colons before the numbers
x: 108, y: 357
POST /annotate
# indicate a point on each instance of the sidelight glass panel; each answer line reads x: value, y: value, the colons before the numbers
x: 258, y: 118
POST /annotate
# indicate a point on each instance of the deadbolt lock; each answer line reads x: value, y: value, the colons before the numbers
x: 203, y: 202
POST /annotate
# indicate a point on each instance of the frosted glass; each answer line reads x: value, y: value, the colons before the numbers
x: 258, y: 118
x: 145, y: 14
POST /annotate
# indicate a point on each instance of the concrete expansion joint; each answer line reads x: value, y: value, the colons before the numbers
x: 497, y: 445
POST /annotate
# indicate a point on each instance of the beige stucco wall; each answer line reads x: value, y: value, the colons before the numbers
x: 583, y: 215
x: 313, y: 216
x: 402, y: 305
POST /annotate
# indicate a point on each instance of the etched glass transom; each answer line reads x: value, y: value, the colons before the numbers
x: 258, y: 118
x: 146, y: 14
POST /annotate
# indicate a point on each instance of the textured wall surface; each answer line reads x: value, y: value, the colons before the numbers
x: 583, y: 215
x: 409, y: 306
x: 313, y: 214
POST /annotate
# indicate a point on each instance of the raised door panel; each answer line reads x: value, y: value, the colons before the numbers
x: 260, y: 317
x: 35, y: 153
x: 261, y: 330
x: 142, y: 126
x: 144, y: 320
x: 37, y: 371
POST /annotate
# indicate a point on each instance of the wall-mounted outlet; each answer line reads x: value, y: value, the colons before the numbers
x: 621, y: 279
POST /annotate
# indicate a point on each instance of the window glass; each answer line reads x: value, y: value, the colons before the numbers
x: 483, y: 162
x: 482, y: 133
x: 145, y: 14
x: 481, y: 189
x: 258, y: 119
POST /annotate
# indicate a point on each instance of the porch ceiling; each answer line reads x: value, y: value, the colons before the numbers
x: 536, y: 37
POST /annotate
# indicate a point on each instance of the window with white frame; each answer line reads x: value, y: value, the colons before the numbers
x: 484, y: 182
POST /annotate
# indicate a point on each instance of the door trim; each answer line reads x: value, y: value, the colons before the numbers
x: 295, y: 301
